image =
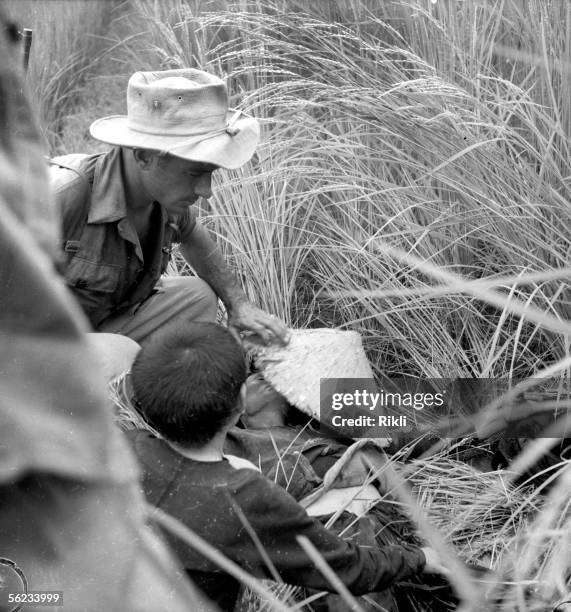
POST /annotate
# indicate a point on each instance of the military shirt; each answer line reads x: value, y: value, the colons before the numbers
x: 104, y: 265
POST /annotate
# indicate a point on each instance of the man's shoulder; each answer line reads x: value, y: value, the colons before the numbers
x: 66, y: 171
x: 157, y: 455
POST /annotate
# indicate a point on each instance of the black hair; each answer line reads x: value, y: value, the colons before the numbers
x: 187, y: 379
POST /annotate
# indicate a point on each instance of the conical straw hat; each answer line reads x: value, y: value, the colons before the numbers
x: 295, y: 370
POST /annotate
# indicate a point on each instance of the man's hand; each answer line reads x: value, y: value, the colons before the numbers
x: 433, y: 563
x: 204, y: 256
x: 247, y: 317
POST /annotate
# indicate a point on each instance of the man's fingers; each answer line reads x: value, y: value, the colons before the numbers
x: 266, y: 337
x: 234, y: 331
x: 255, y: 322
x: 254, y: 334
x: 252, y: 341
x: 278, y: 329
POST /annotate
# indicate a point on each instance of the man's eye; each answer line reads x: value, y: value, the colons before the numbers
x: 200, y: 172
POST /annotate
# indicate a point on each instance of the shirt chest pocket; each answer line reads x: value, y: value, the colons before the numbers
x: 92, y: 276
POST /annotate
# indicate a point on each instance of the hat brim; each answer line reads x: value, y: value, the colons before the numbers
x: 223, y: 150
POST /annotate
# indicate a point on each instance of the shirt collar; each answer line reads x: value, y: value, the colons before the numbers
x: 108, y: 194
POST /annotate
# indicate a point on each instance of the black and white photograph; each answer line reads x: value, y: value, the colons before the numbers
x: 285, y: 305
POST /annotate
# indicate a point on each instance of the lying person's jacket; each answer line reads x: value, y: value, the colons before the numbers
x: 288, y: 456
x: 204, y: 496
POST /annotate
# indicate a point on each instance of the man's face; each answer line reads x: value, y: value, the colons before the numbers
x: 177, y: 183
x: 262, y: 404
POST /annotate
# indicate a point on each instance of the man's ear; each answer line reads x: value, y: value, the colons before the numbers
x: 239, y: 408
x: 143, y: 158
x: 241, y: 400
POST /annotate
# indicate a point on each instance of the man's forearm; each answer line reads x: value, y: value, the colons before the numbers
x: 244, y: 316
x: 205, y: 257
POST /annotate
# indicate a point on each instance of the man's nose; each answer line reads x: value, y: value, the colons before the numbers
x: 203, y: 187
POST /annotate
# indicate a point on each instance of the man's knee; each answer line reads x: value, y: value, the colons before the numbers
x: 200, y: 299
x: 177, y: 297
x: 116, y: 353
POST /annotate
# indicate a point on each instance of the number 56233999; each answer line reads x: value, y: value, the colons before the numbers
x: 37, y: 598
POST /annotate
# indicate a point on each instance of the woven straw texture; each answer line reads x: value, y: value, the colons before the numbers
x: 295, y: 370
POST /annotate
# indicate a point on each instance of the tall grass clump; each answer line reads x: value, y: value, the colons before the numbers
x: 369, y: 148
x: 69, y: 43
x: 526, y: 43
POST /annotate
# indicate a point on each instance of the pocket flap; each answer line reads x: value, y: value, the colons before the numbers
x: 84, y: 274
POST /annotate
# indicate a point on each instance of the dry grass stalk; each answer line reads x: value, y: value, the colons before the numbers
x: 126, y: 414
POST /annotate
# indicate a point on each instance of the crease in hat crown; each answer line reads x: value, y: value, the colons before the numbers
x: 176, y: 102
x: 185, y: 113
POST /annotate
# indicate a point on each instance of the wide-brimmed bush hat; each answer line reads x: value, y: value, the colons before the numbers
x: 185, y: 113
x: 295, y: 369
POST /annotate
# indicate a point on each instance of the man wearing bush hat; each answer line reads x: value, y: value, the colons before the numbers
x: 122, y: 210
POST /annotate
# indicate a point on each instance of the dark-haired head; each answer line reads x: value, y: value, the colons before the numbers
x: 187, y: 382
